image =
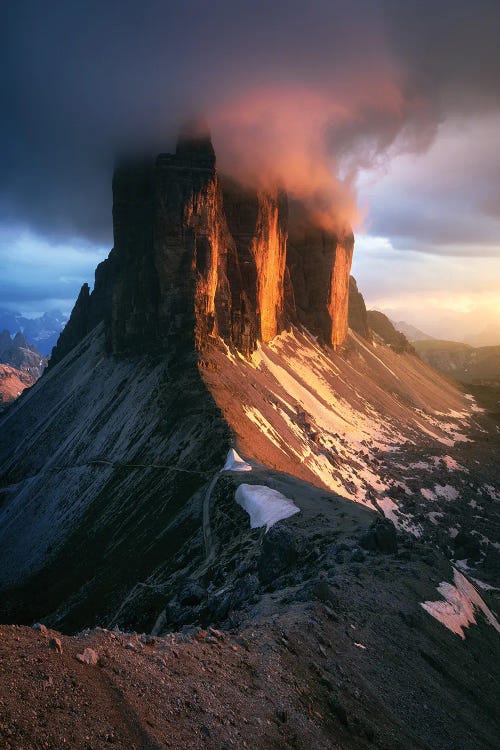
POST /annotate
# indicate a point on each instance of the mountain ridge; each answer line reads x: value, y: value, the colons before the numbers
x: 119, y: 493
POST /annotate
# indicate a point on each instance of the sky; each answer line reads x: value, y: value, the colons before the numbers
x: 384, y: 115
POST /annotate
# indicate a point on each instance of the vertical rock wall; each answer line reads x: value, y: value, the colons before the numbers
x: 269, y: 251
x: 338, y: 303
x: 258, y: 224
x: 196, y: 256
x: 358, y: 317
x: 319, y: 264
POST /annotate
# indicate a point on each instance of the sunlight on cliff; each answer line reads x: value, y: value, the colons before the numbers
x: 313, y: 141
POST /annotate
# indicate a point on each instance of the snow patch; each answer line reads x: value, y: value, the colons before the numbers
x: 492, y: 492
x: 457, y: 611
x: 428, y: 494
x: 446, y: 491
x: 234, y: 462
x: 264, y: 505
x: 449, y: 463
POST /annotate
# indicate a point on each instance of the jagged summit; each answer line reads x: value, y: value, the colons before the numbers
x: 197, y: 256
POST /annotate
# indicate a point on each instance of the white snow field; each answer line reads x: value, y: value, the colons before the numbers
x: 264, y: 505
x: 457, y: 611
x: 234, y: 462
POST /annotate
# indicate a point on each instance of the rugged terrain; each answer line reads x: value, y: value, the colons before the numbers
x: 21, y: 364
x: 42, y: 331
x: 222, y: 322
x: 465, y: 363
x: 12, y: 384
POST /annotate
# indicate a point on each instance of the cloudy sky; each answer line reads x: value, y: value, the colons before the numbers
x: 384, y: 114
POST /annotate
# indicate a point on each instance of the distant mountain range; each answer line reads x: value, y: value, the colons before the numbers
x: 489, y: 336
x: 468, y: 364
x: 411, y: 332
x: 42, y: 331
x: 21, y: 364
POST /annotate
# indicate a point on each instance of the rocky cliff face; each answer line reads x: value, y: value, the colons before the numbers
x: 358, y: 317
x: 197, y: 256
x: 319, y: 264
x: 91, y: 308
x: 387, y: 334
x: 258, y: 223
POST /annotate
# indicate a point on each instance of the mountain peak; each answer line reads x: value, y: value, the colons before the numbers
x: 197, y: 256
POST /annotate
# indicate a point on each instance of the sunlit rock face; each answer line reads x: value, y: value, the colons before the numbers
x: 198, y: 256
x: 258, y: 223
x: 319, y: 263
x: 209, y: 258
x: 168, y: 231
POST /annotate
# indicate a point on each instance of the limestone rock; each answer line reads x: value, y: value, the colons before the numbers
x: 358, y: 317
x: 56, y: 645
x: 383, y: 328
x: 89, y: 656
x: 319, y: 264
x: 198, y: 256
x: 257, y: 221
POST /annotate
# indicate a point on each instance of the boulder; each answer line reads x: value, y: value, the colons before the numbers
x: 380, y: 537
x: 89, y: 656
x: 281, y: 551
x: 191, y: 594
x: 56, y: 645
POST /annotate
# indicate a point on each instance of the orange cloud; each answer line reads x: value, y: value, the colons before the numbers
x: 312, y: 140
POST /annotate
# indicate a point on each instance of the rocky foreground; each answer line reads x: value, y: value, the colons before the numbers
x: 347, y: 658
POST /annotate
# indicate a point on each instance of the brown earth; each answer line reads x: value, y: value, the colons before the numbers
x: 214, y: 691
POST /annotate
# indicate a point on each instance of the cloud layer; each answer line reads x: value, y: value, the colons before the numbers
x: 309, y: 91
x: 322, y: 95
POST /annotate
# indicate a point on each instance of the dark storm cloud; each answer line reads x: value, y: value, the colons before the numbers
x: 83, y: 82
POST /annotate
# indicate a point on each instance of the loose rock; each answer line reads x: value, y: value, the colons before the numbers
x: 56, y: 645
x: 89, y: 656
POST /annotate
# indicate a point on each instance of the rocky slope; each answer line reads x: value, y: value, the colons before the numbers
x: 220, y: 322
x: 12, y: 384
x: 386, y: 333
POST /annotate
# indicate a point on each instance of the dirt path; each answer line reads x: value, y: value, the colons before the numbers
x: 207, y: 529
